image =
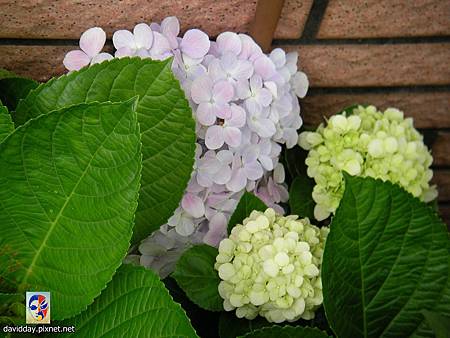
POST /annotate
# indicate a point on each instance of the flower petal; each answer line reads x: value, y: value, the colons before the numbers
x: 238, y: 180
x: 75, y: 60
x: 160, y: 47
x: 238, y: 117
x: 253, y: 170
x: 232, y: 136
x: 123, y: 52
x: 193, y: 205
x: 223, y: 175
x: 223, y: 92
x: 195, y: 43
x: 143, y: 36
x: 123, y: 38
x: 278, y: 57
x: 214, y: 138
x: 225, y: 156
x: 217, y: 230
x: 229, y: 42
x: 205, y: 114
x: 92, y: 41
x: 202, y: 89
x: 300, y: 83
x: 170, y: 26
x: 264, y: 67
x: 99, y: 58
x: 279, y: 174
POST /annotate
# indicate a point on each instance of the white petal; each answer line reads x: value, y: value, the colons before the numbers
x: 300, y: 83
x: 123, y: 38
x: 229, y: 42
x: 278, y: 57
x: 143, y: 36
x: 225, y: 156
x: 266, y: 162
x: 160, y: 47
x: 264, y: 97
x: 232, y: 136
x: 272, y: 87
x: 215, y: 71
x: 205, y: 114
x: 238, y: 117
x: 170, y: 26
x: 214, y: 138
x: 223, y: 175
x: 243, y: 89
x: 201, y: 89
x: 92, y: 41
x: 193, y: 205
x: 186, y: 227
x: 99, y: 58
x: 291, y: 137
x: 75, y: 60
x: 123, y: 52
x: 195, y: 43
x: 253, y: 170
x: 238, y: 180
x: 279, y: 174
x: 264, y: 67
x: 223, y: 92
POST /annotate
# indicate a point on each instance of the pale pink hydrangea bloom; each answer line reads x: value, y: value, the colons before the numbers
x: 245, y: 104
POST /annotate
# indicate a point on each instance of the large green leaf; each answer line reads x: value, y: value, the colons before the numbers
x: 300, y: 197
x: 135, y: 304
x: 440, y: 324
x: 13, y: 89
x: 167, y: 127
x: 385, y: 261
x: 286, y: 332
x: 69, y: 187
x: 247, y: 204
x: 196, y: 275
x: 6, y: 124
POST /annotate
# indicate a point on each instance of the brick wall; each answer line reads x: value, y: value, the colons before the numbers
x: 384, y: 52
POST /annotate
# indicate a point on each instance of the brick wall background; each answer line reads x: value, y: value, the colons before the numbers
x: 383, y: 52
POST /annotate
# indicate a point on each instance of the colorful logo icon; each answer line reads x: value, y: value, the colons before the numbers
x: 38, y: 308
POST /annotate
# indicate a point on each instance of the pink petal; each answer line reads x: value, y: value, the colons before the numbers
x: 223, y: 92
x: 193, y: 205
x: 256, y: 83
x: 204, y: 180
x: 123, y: 38
x: 250, y: 154
x: 201, y: 90
x: 205, y: 114
x: 229, y: 42
x: 92, y: 41
x: 160, y: 47
x: 143, y: 36
x: 142, y: 53
x: 238, y: 180
x: 249, y: 47
x: 214, y: 138
x: 215, y: 71
x: 217, y: 230
x: 75, y: 60
x: 237, y: 118
x: 243, y: 89
x: 195, y: 43
x: 243, y: 70
x: 264, y: 67
x: 170, y: 26
x: 264, y: 127
x: 272, y: 87
x: 123, y: 52
x: 253, y: 170
x: 223, y: 175
x: 99, y: 58
x: 232, y: 136
x: 225, y: 156
x: 264, y: 97
x: 222, y: 111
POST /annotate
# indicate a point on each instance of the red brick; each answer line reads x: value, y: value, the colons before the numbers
x: 375, y: 65
x: 385, y: 18
x: 441, y: 149
x: 293, y: 18
x: 67, y: 19
x: 442, y: 179
x: 429, y: 110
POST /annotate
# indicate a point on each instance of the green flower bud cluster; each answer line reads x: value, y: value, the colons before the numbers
x: 366, y: 143
x: 270, y: 266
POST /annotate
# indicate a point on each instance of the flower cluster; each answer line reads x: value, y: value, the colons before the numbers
x: 245, y: 105
x: 270, y: 266
x: 366, y: 143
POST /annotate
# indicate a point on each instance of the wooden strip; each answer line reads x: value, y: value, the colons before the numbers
x: 441, y: 149
x: 385, y: 18
x: 67, y: 19
x: 442, y: 179
x: 265, y: 22
x: 293, y: 18
x: 429, y: 110
x: 374, y: 65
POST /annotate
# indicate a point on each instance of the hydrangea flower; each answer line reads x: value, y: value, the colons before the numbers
x: 245, y: 106
x: 369, y: 142
x: 270, y: 266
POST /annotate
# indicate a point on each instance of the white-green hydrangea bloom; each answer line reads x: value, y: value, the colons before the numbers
x: 382, y: 145
x: 270, y: 266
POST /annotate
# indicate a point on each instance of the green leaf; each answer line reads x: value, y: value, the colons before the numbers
x: 6, y: 124
x: 300, y: 197
x: 247, y: 204
x: 385, y: 261
x: 438, y: 323
x: 134, y: 304
x: 4, y: 74
x: 70, y: 182
x: 231, y: 326
x: 13, y: 89
x: 164, y: 115
x: 196, y: 275
x: 286, y: 332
